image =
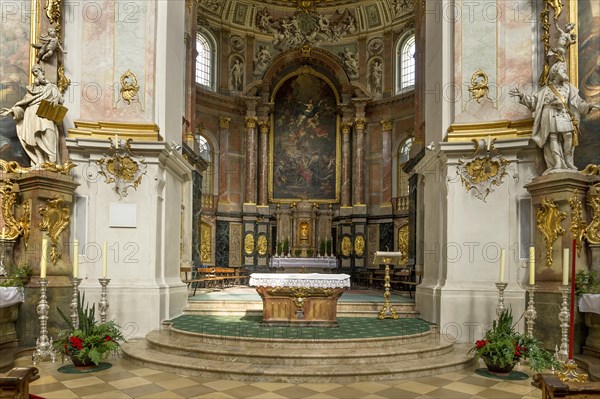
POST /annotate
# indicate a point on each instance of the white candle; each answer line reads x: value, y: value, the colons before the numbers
x: 565, y: 266
x: 116, y: 140
x: 489, y: 146
x: 104, y: 260
x: 531, y: 265
x: 502, y: 256
x: 43, y: 260
x: 75, y: 259
x: 3, y: 232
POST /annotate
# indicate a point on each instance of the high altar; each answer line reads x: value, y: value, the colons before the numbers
x: 300, y: 299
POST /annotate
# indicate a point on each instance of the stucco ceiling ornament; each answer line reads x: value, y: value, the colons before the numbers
x: 211, y: 5
x: 375, y: 46
x: 121, y: 167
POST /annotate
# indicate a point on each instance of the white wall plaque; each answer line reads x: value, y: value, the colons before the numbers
x: 123, y: 215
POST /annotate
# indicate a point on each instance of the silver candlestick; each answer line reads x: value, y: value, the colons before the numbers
x: 500, y: 307
x: 43, y: 345
x: 74, y: 300
x: 564, y: 316
x: 103, y: 305
x: 530, y: 313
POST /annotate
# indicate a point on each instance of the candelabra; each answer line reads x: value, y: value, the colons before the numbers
x: 387, y: 311
x: 103, y: 305
x: 500, y: 307
x: 74, y: 300
x: 43, y: 345
x: 530, y: 313
x: 564, y: 316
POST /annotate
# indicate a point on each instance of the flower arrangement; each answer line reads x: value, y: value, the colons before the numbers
x: 587, y: 282
x: 90, y: 341
x: 502, y: 347
x: 16, y: 276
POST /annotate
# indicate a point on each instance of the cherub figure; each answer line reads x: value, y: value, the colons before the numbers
x: 50, y: 43
x: 565, y: 39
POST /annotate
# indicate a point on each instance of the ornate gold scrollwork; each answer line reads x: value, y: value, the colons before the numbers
x: 63, y: 169
x: 359, y: 245
x: 591, y: 170
x: 11, y: 167
x: 129, y: 87
x: 55, y: 219
x: 249, y: 244
x: 261, y: 245
x: 53, y: 13
x: 122, y: 167
x: 403, y: 244
x: 346, y: 246
x: 15, y: 227
x: 548, y: 219
x: 63, y: 82
x: 481, y: 174
x: 360, y: 123
x: 479, y: 85
x: 592, y: 231
x: 205, y: 243
x: 578, y: 225
x: 251, y: 122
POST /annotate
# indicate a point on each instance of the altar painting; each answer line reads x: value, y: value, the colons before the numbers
x: 14, y: 73
x: 304, y: 144
x: 588, y: 43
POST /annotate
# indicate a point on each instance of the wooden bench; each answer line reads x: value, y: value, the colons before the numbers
x: 552, y: 387
x: 15, y: 383
x: 399, y: 279
x: 412, y: 285
x: 205, y: 275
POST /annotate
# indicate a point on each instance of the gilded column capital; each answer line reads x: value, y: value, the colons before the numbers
x: 360, y: 123
x: 387, y: 125
x: 264, y: 127
x: 224, y: 122
x: 346, y: 127
x: 251, y: 122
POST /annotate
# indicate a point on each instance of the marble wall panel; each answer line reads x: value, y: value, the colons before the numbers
x: 372, y: 243
x: 375, y: 182
x: 196, y: 209
x: 386, y: 236
x: 222, y: 243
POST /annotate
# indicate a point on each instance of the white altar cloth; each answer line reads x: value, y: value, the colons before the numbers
x: 308, y: 280
x: 11, y: 295
x: 589, y: 303
x: 312, y: 263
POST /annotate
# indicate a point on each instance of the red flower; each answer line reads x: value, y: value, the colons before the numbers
x: 76, y: 342
x: 480, y: 343
x: 107, y: 338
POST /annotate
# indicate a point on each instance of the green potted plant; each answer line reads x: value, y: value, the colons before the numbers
x: 16, y: 276
x: 322, y: 248
x: 279, y: 248
x: 328, y: 244
x: 89, y: 342
x: 587, y: 282
x: 502, y: 347
x: 286, y: 247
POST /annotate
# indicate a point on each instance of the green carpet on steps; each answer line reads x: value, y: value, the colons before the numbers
x: 348, y: 327
x: 250, y: 294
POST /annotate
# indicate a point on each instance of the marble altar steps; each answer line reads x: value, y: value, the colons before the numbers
x: 255, y: 308
x: 297, y: 361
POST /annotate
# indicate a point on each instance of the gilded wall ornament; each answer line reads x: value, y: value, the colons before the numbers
x: 63, y: 82
x: 129, y: 87
x: 15, y: 226
x: 55, y: 219
x: 578, y: 225
x: 346, y: 246
x: 122, y: 167
x: 205, y: 243
x: 403, y: 245
x: 53, y: 13
x: 479, y: 85
x: 481, y: 174
x: 591, y: 170
x: 261, y: 245
x: 249, y: 244
x: 548, y: 219
x: 592, y: 231
x: 359, y: 245
x: 11, y: 167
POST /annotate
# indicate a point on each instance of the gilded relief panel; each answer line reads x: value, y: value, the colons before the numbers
x: 235, y: 245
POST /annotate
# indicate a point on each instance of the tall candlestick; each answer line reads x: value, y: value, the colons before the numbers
x: 565, y: 264
x: 104, y: 260
x: 75, y: 259
x: 43, y: 260
x: 531, y: 265
x: 502, y: 256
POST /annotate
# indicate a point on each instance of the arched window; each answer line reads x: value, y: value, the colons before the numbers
x: 405, y: 64
x: 205, y: 70
x: 403, y: 156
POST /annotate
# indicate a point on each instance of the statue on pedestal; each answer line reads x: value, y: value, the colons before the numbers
x: 557, y: 108
x: 38, y: 135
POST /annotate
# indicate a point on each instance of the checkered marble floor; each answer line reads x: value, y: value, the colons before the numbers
x: 127, y: 380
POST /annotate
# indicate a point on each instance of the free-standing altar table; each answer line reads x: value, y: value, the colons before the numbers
x: 300, y: 299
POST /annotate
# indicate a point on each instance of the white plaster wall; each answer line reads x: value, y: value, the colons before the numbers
x: 143, y: 262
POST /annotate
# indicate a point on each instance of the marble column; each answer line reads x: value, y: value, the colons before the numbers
x: 358, y: 183
x: 250, y: 197
x: 264, y: 162
x: 386, y: 189
x: 223, y: 159
x: 345, y: 194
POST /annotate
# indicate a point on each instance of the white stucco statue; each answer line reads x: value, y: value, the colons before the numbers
x: 38, y: 136
x: 556, y: 108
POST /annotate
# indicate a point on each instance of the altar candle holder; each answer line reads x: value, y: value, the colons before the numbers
x: 103, y: 305
x: 500, y: 307
x: 530, y: 313
x: 74, y: 300
x: 43, y: 345
x: 564, y: 317
x: 387, y: 311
